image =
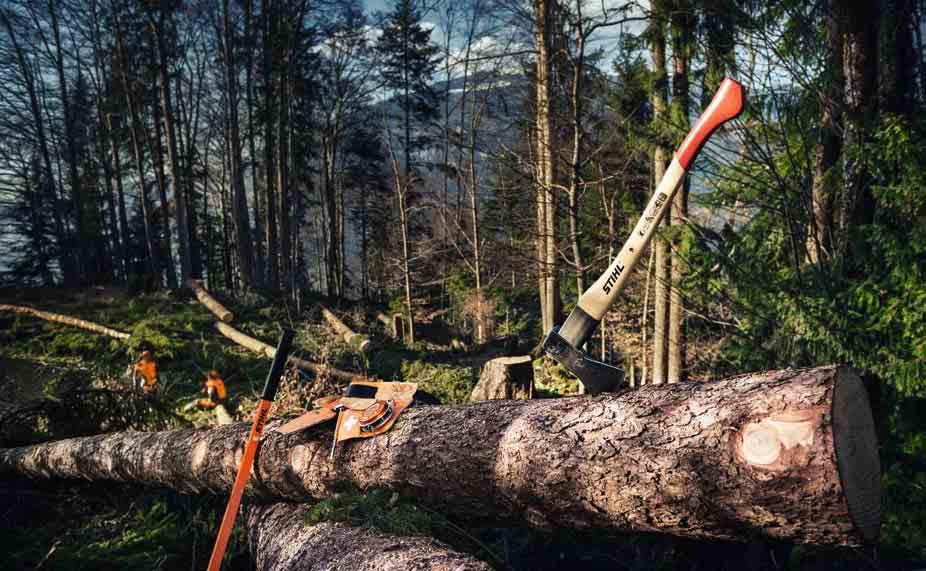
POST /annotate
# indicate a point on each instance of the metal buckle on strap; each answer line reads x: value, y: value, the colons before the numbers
x: 376, y: 415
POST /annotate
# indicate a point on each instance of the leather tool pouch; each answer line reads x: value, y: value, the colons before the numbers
x: 367, y: 409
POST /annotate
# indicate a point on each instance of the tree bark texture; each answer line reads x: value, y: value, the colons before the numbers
x: 280, y: 540
x: 355, y: 340
x: 66, y: 320
x: 789, y: 454
x: 505, y: 378
x: 258, y: 346
x: 212, y: 304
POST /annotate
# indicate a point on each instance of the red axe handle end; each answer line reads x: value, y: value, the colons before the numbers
x: 727, y: 104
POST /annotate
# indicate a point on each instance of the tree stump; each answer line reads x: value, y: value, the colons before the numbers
x: 505, y: 378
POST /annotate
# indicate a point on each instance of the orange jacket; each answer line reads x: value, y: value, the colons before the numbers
x: 217, y: 386
x: 147, y: 369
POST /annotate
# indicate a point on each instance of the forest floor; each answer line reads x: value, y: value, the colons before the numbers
x: 57, y: 382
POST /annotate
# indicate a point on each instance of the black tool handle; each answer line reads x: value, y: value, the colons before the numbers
x: 279, y: 361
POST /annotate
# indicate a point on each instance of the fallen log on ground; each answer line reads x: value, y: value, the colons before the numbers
x: 280, y: 540
x: 66, y: 320
x: 210, y: 302
x: 356, y: 340
x: 791, y: 454
x: 258, y: 346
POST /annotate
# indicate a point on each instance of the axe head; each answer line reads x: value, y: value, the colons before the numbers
x: 597, y: 377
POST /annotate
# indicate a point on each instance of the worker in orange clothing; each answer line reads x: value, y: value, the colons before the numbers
x: 215, y: 391
x: 146, y: 373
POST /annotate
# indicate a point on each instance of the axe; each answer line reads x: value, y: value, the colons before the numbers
x: 564, y: 344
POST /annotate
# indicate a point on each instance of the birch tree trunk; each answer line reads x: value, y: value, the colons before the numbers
x: 787, y: 454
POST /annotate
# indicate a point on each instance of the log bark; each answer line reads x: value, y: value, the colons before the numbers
x: 505, y: 378
x: 280, y: 540
x: 66, y: 320
x: 355, y: 340
x: 258, y: 346
x: 789, y: 454
x: 205, y: 298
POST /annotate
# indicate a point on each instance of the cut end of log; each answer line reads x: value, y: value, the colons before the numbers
x: 857, y: 453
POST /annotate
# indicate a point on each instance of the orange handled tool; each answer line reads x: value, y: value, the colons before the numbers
x: 565, y: 343
x: 250, y: 448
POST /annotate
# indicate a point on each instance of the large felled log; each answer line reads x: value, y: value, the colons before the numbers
x: 505, y: 378
x: 210, y: 302
x: 791, y: 454
x: 65, y: 320
x: 280, y: 540
x: 355, y: 340
x: 258, y: 346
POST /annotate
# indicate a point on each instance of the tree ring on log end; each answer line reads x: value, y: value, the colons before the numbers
x: 857, y: 452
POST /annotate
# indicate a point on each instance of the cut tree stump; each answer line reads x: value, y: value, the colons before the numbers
x: 210, y: 302
x: 280, y: 540
x: 505, y: 378
x: 258, y: 346
x: 355, y: 340
x: 395, y: 325
x: 66, y: 320
x: 789, y: 454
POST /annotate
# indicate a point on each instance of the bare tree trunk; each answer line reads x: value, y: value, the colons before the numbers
x: 284, y: 206
x: 120, y: 190
x: 157, y: 153
x: 578, y: 72
x: 789, y: 454
x: 660, y: 157
x: 250, y: 42
x: 239, y: 199
x: 281, y: 540
x: 409, y: 336
x: 544, y: 11
x: 682, y: 23
x: 273, y: 256
x: 826, y: 154
x: 180, y: 203
x: 79, y: 241
x: 860, y: 63
x: 153, y: 251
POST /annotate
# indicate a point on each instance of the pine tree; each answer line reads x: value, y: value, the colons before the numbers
x: 409, y: 61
